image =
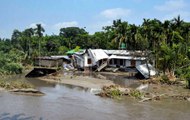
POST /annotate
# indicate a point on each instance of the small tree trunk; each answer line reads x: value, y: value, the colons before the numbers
x: 147, y: 63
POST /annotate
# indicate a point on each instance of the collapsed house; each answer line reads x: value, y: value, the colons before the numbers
x: 98, y: 59
x: 47, y: 65
x: 124, y: 58
x: 51, y: 61
x: 89, y: 59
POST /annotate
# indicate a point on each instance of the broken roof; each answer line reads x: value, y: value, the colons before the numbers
x: 144, y: 70
x: 125, y: 52
x: 98, y: 54
x: 61, y: 57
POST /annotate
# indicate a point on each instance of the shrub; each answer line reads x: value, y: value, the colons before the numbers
x: 10, y: 63
x: 115, y: 93
x: 111, y: 92
x: 164, y: 79
x: 136, y: 94
x: 13, y: 68
x: 187, y: 77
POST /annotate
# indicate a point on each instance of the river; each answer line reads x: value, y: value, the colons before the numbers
x: 64, y: 102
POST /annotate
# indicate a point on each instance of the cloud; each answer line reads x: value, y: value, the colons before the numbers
x: 116, y: 13
x: 98, y: 26
x: 184, y: 15
x: 173, y: 8
x: 171, y: 5
x: 65, y: 24
x: 33, y: 25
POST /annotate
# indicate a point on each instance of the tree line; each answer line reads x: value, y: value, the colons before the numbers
x: 168, y: 41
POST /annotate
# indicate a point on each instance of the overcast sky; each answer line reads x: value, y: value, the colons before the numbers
x: 89, y: 14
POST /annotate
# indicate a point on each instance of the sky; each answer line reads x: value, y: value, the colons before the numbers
x: 91, y: 15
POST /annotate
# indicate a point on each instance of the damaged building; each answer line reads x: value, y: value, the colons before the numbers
x: 98, y: 59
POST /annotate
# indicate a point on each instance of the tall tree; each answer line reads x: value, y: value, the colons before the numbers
x: 27, y: 38
x: 118, y: 32
x: 71, y: 33
x: 15, y: 38
x: 177, y: 22
x: 39, y: 32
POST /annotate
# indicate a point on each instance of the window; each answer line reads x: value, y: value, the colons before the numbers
x: 121, y: 62
x: 89, y: 61
x: 111, y: 62
x: 115, y: 61
x: 133, y: 63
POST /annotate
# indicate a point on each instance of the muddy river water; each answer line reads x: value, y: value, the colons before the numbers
x: 64, y: 102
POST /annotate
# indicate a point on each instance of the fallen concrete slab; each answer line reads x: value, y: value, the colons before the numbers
x: 147, y: 70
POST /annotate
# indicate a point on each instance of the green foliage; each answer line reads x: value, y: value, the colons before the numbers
x: 115, y: 93
x: 74, y: 36
x: 13, y: 68
x: 62, y: 50
x: 186, y: 75
x: 112, y: 92
x: 10, y: 63
x: 136, y: 94
x: 188, y: 83
x: 164, y: 79
x: 77, y: 48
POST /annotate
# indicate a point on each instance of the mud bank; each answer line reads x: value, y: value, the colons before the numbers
x: 19, y: 87
x: 80, y: 81
x: 145, y: 91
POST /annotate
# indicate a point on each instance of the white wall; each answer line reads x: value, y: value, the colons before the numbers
x: 86, y: 60
x: 127, y: 63
x: 138, y: 62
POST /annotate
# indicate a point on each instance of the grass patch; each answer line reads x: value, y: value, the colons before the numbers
x: 136, y: 94
x: 9, y: 85
x: 111, y: 92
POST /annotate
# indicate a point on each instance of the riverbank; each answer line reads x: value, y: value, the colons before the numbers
x: 146, y: 90
x: 19, y: 87
x: 77, y: 80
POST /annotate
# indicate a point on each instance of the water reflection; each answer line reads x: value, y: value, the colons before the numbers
x: 43, y: 84
x: 20, y: 116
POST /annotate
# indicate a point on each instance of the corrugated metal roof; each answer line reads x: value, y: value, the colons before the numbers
x: 79, y: 57
x: 47, y: 58
x: 124, y: 52
x: 61, y: 56
x: 98, y: 54
x: 80, y: 52
x: 126, y: 57
x: 53, y: 57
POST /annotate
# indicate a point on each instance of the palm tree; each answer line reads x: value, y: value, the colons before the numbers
x: 120, y: 31
x: 39, y: 32
x: 132, y: 36
x: 177, y: 22
x: 28, y: 33
x: 15, y: 38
